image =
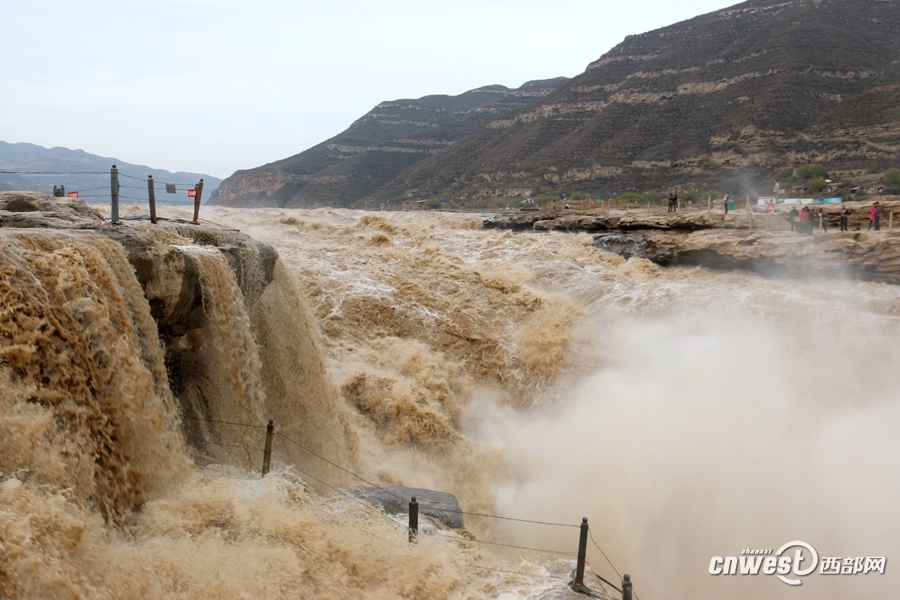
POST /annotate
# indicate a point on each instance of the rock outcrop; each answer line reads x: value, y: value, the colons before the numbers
x: 636, y: 220
x: 754, y: 240
x: 871, y: 256
x: 394, y: 499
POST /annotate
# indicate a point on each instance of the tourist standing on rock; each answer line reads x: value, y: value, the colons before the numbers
x: 725, y: 201
x: 771, y: 207
x: 792, y: 218
x: 805, y: 221
x: 845, y: 216
x: 673, y: 201
x: 875, y: 216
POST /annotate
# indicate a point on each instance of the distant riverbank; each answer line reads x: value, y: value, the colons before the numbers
x: 747, y: 239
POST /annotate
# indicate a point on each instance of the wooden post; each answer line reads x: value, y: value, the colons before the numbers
x: 152, y: 195
x: 413, y: 521
x: 114, y: 193
x: 891, y: 220
x: 648, y: 208
x: 582, y: 552
x: 199, y: 189
x: 267, y: 452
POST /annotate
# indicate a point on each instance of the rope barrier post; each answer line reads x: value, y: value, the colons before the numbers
x: 199, y: 189
x: 114, y: 192
x: 749, y: 215
x: 413, y: 521
x: 582, y: 553
x: 626, y: 587
x: 152, y: 195
x: 267, y: 453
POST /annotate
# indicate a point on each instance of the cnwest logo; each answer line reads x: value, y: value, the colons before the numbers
x: 795, y: 558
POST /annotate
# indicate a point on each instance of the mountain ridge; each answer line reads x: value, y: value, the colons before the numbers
x: 747, y: 92
x: 734, y: 98
x: 393, y: 136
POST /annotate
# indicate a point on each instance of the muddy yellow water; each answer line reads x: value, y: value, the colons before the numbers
x: 687, y: 413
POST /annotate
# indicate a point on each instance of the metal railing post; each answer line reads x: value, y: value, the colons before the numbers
x: 114, y: 192
x: 626, y: 587
x: 582, y: 552
x: 413, y: 520
x: 152, y: 195
x: 267, y: 453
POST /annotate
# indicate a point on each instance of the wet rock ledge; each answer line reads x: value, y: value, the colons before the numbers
x: 712, y: 239
x: 870, y: 256
x: 166, y: 270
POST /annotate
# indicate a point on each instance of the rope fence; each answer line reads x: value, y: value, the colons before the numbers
x: 193, y: 191
x: 576, y: 582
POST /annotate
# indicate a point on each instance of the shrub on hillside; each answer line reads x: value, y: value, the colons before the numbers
x: 892, y: 180
x: 816, y: 185
x: 809, y: 172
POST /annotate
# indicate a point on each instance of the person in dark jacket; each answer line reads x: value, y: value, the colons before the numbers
x: 845, y: 217
x: 792, y: 218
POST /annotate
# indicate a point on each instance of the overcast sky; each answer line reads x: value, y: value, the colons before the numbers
x: 215, y: 86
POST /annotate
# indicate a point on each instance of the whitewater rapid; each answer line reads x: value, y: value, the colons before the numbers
x: 687, y: 413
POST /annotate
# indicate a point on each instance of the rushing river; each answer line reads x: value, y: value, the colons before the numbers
x: 687, y: 413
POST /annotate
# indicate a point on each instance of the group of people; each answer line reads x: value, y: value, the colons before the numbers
x: 673, y: 201
x: 805, y: 220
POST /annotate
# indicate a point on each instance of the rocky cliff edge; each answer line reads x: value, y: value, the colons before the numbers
x: 166, y: 270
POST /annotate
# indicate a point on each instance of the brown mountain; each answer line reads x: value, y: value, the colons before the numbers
x: 735, y: 96
x: 376, y: 148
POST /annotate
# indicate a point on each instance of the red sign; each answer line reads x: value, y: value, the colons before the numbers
x: 72, y: 194
x: 192, y: 193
